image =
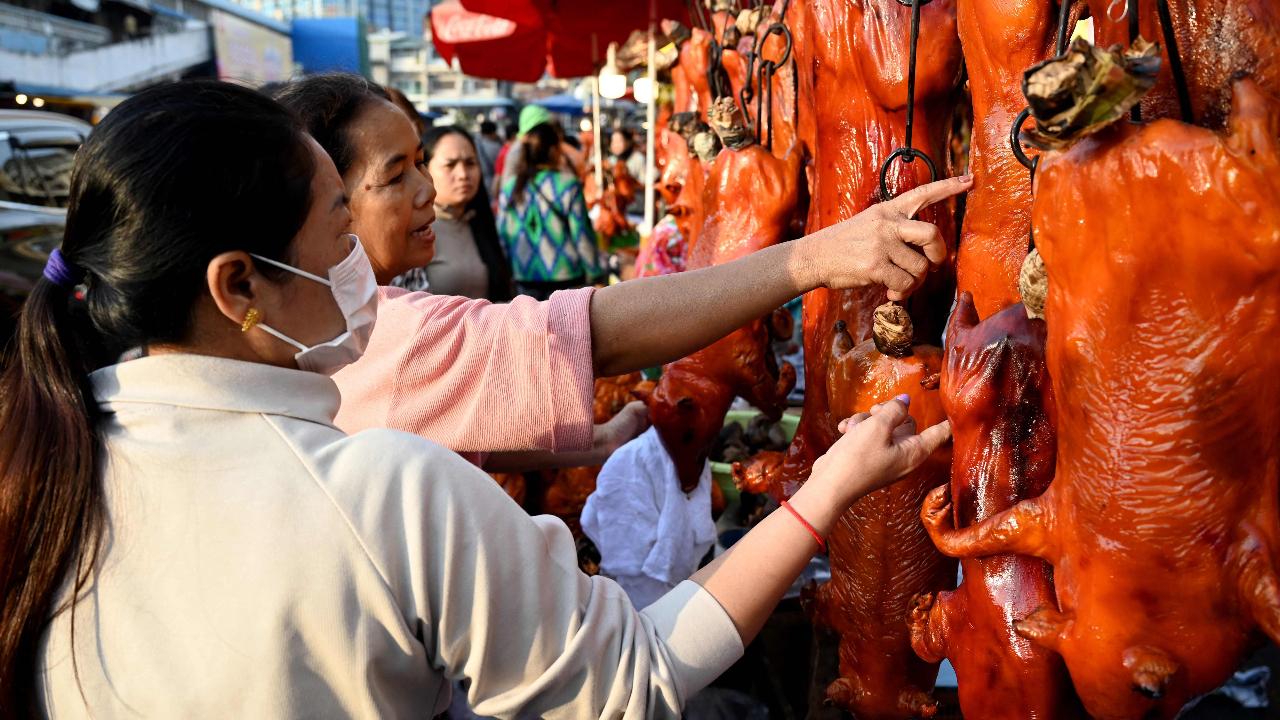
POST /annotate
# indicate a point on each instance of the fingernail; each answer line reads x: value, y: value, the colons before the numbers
x: 904, y: 398
x: 968, y: 177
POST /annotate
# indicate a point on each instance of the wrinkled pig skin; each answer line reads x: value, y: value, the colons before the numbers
x: 996, y: 392
x: 881, y: 556
x: 1162, y: 244
x: 1218, y: 41
x: 1001, y: 39
x: 851, y: 64
x: 748, y: 202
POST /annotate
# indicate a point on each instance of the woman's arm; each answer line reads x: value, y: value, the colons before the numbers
x: 650, y: 321
x: 876, y: 448
x: 606, y: 438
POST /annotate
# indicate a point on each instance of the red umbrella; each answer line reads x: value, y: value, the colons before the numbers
x: 518, y: 39
x: 488, y: 46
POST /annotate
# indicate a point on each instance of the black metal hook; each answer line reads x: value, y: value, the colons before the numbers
x: 908, y: 155
x: 1175, y: 62
x: 1016, y: 144
x: 785, y: 32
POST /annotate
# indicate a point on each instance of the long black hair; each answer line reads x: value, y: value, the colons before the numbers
x: 328, y: 104
x: 539, y: 150
x: 484, y: 227
x: 171, y: 178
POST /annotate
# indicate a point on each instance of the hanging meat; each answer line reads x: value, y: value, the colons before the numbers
x: 852, y: 70
x: 709, y: 64
x: 996, y: 392
x: 1163, y: 307
x: 563, y: 492
x: 749, y: 198
x: 881, y: 555
x: 619, y: 191
x: 1001, y: 39
x: 687, y: 176
x: 1216, y: 41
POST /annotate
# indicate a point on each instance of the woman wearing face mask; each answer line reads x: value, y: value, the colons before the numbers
x: 468, y: 259
x: 482, y: 378
x: 186, y: 534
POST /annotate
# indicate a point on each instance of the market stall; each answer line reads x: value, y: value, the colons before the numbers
x: 1099, y: 336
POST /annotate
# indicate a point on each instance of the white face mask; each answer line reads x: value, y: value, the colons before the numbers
x: 355, y: 289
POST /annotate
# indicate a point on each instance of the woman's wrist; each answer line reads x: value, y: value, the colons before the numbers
x: 803, y: 264
x: 822, y: 500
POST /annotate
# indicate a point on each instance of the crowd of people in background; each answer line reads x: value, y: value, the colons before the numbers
x: 511, y: 211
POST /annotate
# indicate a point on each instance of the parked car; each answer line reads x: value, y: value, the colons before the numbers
x: 37, y: 150
x: 28, y: 233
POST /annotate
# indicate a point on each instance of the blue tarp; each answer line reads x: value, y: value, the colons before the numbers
x: 330, y: 45
x: 564, y: 104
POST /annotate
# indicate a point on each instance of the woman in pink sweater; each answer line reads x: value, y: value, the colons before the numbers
x: 480, y: 378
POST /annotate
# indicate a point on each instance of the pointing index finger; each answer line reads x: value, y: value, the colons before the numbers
x: 916, y: 199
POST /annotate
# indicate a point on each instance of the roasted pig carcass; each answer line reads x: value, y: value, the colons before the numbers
x: 881, y: 556
x: 748, y: 202
x: 694, y: 72
x: 1217, y: 41
x: 618, y: 192
x: 702, y: 146
x: 1001, y: 39
x: 851, y: 63
x: 996, y: 392
x: 1162, y: 247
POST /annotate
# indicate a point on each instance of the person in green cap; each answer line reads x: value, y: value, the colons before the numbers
x: 542, y: 214
x: 532, y: 115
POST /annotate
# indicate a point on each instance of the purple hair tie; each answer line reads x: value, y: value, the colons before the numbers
x: 60, y: 271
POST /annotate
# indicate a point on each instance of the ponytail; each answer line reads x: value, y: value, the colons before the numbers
x: 51, y: 505
x: 170, y: 179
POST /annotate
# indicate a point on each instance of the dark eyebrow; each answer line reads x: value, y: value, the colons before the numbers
x: 395, y: 160
x: 341, y: 201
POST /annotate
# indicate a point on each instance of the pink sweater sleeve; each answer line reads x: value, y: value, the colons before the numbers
x: 474, y: 376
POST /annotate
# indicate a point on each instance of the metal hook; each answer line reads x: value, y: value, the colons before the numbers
x: 907, y: 154
x: 1016, y: 144
x: 785, y: 32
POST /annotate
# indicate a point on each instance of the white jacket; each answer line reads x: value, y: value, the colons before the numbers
x: 259, y: 563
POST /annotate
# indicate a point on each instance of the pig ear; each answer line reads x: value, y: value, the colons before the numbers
x: 965, y: 316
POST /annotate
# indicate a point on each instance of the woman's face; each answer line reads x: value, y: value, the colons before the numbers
x: 455, y: 171
x: 618, y: 143
x: 391, y: 192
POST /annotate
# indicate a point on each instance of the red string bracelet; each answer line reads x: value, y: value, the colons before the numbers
x: 822, y: 544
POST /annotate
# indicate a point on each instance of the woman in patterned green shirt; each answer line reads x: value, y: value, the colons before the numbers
x: 543, y: 221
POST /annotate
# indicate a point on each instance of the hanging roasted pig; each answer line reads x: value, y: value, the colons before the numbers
x: 851, y: 64
x: 749, y: 198
x: 1216, y: 42
x: 1163, y: 307
x: 709, y: 64
x: 996, y: 392
x: 1000, y: 40
x: 881, y: 556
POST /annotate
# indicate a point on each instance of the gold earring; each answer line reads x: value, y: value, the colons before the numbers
x: 251, y: 318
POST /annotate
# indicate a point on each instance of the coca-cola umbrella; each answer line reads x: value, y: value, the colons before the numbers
x: 520, y: 39
x: 488, y: 46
